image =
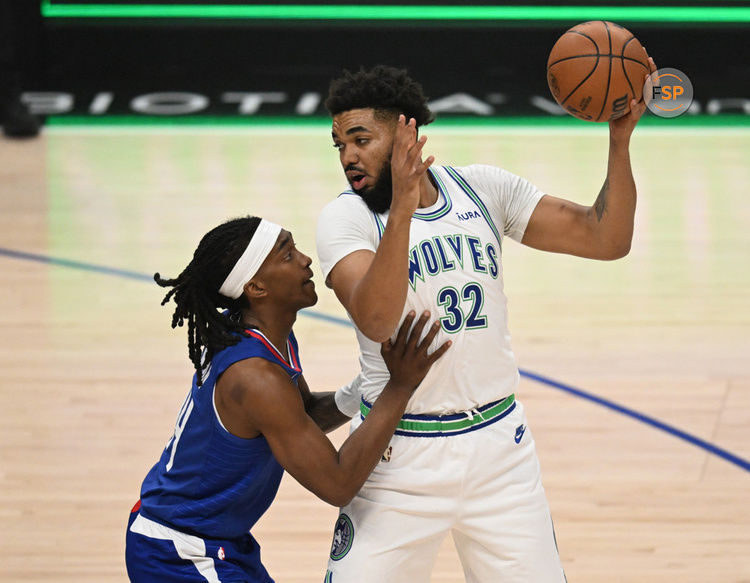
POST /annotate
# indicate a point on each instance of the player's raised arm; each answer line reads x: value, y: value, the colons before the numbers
x: 603, y: 230
x: 255, y: 396
x: 372, y: 286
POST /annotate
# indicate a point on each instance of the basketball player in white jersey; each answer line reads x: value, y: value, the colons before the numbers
x: 413, y: 236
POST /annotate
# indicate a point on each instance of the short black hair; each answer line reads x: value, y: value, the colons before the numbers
x: 381, y: 88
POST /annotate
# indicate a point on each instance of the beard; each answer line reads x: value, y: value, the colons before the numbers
x: 378, y: 196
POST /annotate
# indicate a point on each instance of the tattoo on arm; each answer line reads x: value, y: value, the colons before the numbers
x: 601, y: 201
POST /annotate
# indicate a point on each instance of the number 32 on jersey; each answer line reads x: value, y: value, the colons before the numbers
x: 463, y: 308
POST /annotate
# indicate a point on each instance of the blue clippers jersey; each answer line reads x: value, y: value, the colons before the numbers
x: 209, y: 482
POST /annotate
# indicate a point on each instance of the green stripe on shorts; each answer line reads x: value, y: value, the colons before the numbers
x: 470, y: 418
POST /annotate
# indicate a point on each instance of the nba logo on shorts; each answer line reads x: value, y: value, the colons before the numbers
x: 386, y: 457
x: 343, y: 536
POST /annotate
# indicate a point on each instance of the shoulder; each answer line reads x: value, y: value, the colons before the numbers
x: 497, y: 182
x: 480, y: 173
x: 256, y: 379
x: 226, y: 356
x: 345, y: 206
x: 252, y: 390
x: 345, y: 225
x: 258, y: 370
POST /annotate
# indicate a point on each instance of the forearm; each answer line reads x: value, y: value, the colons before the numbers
x: 377, y: 301
x: 613, y: 212
x: 322, y: 408
x: 337, y: 476
x: 362, y: 451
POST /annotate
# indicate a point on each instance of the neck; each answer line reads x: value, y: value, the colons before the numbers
x: 275, y: 327
x: 428, y: 192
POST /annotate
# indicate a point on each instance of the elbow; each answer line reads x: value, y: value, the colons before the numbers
x: 341, y: 501
x: 340, y: 498
x: 618, y: 251
x: 375, y: 326
x: 612, y: 250
x: 377, y: 334
x: 340, y: 489
x: 623, y: 252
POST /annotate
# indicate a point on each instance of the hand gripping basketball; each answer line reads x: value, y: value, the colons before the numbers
x: 595, y: 69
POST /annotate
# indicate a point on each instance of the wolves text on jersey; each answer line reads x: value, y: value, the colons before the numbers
x: 438, y: 254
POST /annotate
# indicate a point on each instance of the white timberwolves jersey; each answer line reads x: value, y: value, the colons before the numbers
x: 455, y: 272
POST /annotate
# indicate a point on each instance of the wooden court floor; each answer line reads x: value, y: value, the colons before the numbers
x: 657, y: 490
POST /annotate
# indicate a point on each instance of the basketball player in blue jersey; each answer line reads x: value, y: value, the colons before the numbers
x: 250, y: 414
x: 462, y: 459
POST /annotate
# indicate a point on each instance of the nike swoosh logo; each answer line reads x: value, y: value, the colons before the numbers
x: 520, y: 430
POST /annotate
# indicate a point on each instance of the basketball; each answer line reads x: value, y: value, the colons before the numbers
x: 595, y: 69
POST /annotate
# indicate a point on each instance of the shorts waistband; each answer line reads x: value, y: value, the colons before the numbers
x: 452, y: 424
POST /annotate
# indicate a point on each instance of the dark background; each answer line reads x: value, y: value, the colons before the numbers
x: 501, y: 64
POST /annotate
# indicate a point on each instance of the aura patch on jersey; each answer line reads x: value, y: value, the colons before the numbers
x: 476, y: 199
x: 343, y: 537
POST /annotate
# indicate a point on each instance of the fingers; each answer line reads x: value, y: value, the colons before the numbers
x: 422, y: 168
x: 427, y: 341
x: 404, y: 329
x: 650, y: 82
x: 652, y: 69
x: 414, y: 158
x: 429, y: 337
x: 406, y: 132
x: 637, y: 108
x: 439, y: 352
x: 415, y: 152
x: 416, y: 333
x: 406, y: 141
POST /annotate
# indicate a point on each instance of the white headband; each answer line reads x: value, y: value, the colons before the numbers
x: 253, y: 257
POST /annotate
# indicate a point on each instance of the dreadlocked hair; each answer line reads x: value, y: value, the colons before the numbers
x: 385, y: 89
x: 196, y: 292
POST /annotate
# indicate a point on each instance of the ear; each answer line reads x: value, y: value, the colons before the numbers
x: 255, y: 289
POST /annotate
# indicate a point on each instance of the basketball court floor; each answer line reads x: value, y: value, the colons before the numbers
x: 636, y: 373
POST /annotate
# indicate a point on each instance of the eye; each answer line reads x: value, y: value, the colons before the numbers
x: 362, y: 141
x: 338, y: 146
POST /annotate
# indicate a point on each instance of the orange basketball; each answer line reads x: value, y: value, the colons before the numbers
x: 595, y: 69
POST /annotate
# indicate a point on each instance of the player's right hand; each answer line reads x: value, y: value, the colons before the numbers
x: 407, y: 167
x: 407, y: 358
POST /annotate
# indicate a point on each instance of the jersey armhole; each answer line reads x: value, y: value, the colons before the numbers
x: 216, y: 411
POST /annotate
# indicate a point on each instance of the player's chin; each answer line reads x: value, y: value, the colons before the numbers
x: 311, y: 296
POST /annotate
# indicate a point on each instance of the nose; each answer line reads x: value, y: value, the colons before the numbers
x: 349, y: 155
x: 306, y: 261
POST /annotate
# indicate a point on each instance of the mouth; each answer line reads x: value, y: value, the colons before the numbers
x: 357, y: 179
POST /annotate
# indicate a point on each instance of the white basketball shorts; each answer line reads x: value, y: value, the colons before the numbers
x: 478, y: 479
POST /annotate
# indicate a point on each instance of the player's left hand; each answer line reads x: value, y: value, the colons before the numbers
x: 622, y: 127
